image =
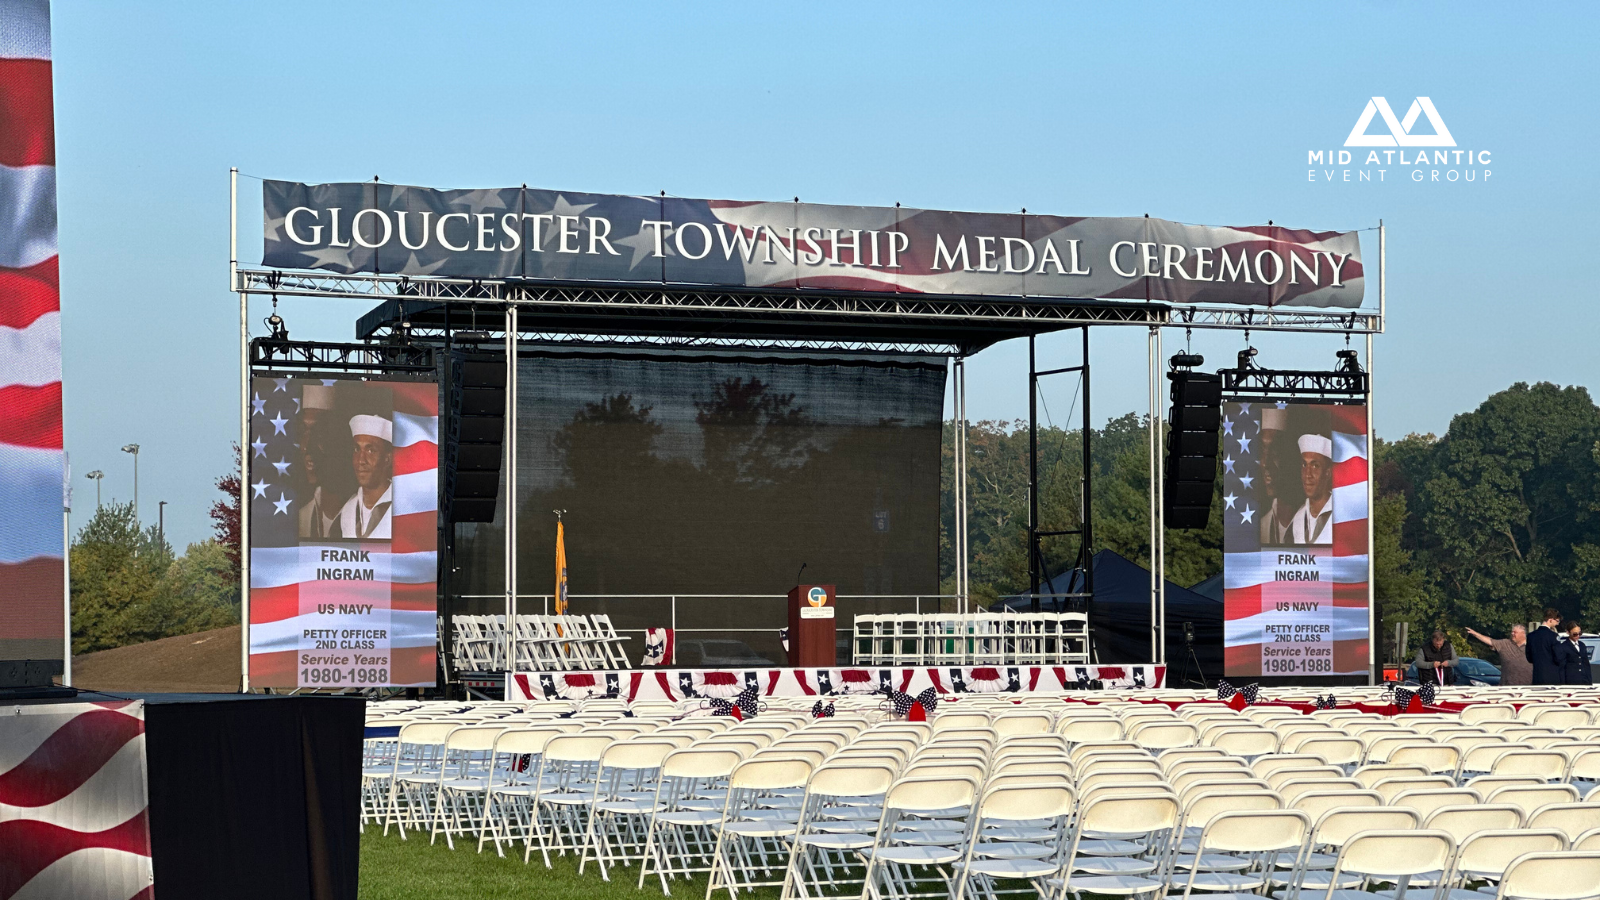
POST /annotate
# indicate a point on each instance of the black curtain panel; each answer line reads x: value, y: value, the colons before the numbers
x: 254, y: 797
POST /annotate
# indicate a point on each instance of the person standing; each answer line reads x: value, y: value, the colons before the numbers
x: 1436, y: 661
x: 1514, y: 667
x: 1574, y: 656
x: 1541, y: 649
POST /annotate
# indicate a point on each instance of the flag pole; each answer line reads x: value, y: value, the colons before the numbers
x: 244, y: 430
x: 511, y: 493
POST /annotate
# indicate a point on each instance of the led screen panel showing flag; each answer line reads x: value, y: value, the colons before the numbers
x: 1295, y: 523
x: 344, y: 490
x: 32, y: 464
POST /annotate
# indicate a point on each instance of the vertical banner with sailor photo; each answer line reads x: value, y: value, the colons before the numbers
x: 344, y: 486
x: 1294, y: 508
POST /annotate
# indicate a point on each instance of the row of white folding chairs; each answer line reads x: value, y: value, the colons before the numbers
x: 973, y: 639
x: 722, y: 830
x: 543, y: 643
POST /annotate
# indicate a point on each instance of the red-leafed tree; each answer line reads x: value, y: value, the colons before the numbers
x: 225, y: 513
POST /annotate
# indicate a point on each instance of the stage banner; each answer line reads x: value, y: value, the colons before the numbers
x: 1294, y: 538
x: 74, y: 799
x: 544, y: 235
x: 344, y: 488
x: 32, y: 463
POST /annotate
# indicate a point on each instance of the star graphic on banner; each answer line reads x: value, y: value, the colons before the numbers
x: 281, y: 505
x: 487, y: 198
x: 1247, y: 515
x: 1244, y: 443
x: 297, y: 406
x: 259, y: 406
x: 1247, y: 480
x: 282, y: 384
x: 260, y: 488
x: 1244, y: 409
x: 412, y: 267
x: 643, y: 244
x: 552, y: 230
x: 1227, y: 464
x: 260, y: 448
x: 1229, y: 500
x: 1283, y: 404
x: 563, y: 208
x: 321, y: 258
x: 271, y: 228
x: 1227, y: 425
x: 278, y: 423
x: 282, y: 465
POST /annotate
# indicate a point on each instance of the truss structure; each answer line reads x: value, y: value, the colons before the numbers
x: 324, y: 356
x: 679, y: 315
x: 1254, y: 382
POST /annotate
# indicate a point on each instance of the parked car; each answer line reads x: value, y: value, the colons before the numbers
x: 717, y: 654
x: 1471, y: 671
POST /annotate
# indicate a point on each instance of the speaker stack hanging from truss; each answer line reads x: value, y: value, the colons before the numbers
x: 1195, y: 418
x: 473, y: 451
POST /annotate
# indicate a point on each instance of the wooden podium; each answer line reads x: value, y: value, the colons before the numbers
x: 813, y: 641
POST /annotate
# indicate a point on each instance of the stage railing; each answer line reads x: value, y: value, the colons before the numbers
x: 702, y: 626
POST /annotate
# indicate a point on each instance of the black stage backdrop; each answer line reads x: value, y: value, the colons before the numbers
x: 718, y: 473
x: 254, y: 797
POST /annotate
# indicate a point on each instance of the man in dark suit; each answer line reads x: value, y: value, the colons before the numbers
x: 1541, y: 650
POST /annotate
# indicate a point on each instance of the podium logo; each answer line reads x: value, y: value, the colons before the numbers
x: 817, y: 596
x: 1399, y: 129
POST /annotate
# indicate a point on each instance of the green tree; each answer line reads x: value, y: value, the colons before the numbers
x: 116, y: 576
x: 1507, y: 513
x: 199, y: 591
x: 127, y: 586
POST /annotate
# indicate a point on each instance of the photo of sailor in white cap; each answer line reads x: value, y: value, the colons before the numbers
x: 1313, y: 523
x: 365, y: 515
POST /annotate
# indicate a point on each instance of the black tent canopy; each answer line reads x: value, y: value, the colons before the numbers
x: 1119, y: 616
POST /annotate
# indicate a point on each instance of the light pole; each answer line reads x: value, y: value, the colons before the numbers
x: 96, y: 475
x: 161, y: 524
x: 134, y: 449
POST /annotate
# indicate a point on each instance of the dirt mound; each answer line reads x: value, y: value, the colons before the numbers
x: 203, y: 662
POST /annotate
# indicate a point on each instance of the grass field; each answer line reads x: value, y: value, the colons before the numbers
x: 392, y: 869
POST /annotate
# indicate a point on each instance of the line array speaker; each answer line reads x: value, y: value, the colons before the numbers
x: 1195, y: 417
x: 477, y: 432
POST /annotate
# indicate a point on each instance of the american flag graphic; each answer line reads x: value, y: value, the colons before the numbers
x: 74, y: 819
x: 341, y: 610
x: 31, y: 459
x: 1294, y: 575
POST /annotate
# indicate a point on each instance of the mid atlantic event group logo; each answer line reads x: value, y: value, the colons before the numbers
x: 1426, y: 155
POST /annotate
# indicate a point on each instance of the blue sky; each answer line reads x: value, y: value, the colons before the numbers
x: 1196, y: 112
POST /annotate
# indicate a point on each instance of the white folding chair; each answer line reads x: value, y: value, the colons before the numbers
x: 901, y: 854
x: 753, y: 834
x: 838, y: 823
x: 690, y: 795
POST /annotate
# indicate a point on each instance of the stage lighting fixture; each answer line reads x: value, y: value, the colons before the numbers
x: 471, y: 337
x: 1349, y: 361
x: 1183, y: 361
x: 1247, y: 358
x: 276, y: 329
